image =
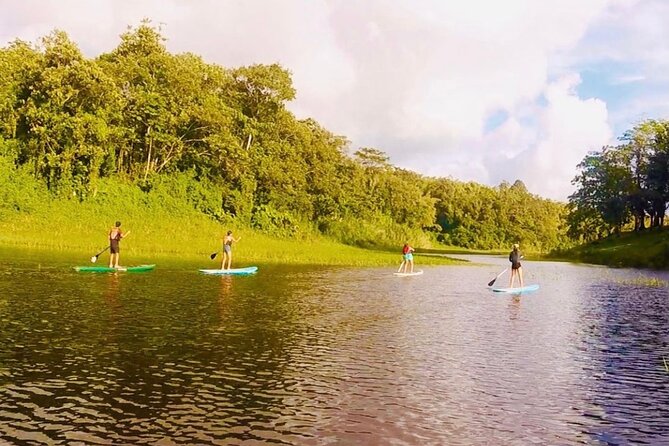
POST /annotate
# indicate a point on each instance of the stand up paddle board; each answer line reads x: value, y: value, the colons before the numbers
x: 106, y: 269
x: 415, y: 273
x: 238, y: 271
x: 525, y: 289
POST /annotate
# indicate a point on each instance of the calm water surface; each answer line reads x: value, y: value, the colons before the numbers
x: 312, y: 356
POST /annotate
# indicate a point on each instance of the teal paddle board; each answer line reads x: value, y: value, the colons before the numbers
x: 106, y: 269
x: 233, y: 271
x: 525, y: 289
x: 415, y: 273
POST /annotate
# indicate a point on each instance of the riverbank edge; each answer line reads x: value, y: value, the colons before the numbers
x: 648, y: 249
x: 253, y: 249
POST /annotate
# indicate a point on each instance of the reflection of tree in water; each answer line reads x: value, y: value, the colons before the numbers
x: 142, y: 358
x: 234, y: 373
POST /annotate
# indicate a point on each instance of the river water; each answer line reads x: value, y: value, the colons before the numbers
x: 318, y: 356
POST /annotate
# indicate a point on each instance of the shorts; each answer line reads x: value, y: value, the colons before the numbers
x: 227, y: 249
x: 114, y: 247
x: 515, y: 265
x: 408, y: 256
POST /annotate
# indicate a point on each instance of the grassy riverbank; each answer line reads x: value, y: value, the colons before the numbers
x: 649, y: 249
x: 81, y: 227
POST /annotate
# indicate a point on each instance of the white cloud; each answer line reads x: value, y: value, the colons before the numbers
x: 417, y: 79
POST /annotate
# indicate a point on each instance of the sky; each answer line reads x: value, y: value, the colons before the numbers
x: 475, y: 90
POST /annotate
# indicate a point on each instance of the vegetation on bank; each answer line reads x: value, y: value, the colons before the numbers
x: 646, y: 249
x: 623, y: 187
x: 163, y: 223
x: 177, y: 145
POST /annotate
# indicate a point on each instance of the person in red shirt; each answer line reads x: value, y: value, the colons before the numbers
x: 407, y: 258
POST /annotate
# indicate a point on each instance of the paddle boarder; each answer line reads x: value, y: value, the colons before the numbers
x: 407, y: 258
x: 115, y: 236
x: 516, y: 267
x: 228, y: 240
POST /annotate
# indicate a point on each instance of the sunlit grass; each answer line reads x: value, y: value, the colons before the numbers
x: 188, y: 237
x: 648, y: 249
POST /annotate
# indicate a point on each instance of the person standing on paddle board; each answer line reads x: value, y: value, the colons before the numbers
x: 115, y: 236
x: 227, y: 249
x: 516, y: 267
x: 407, y: 258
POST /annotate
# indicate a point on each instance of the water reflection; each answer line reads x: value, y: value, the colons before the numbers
x: 316, y: 356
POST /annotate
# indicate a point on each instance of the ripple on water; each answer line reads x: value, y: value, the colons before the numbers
x: 315, y: 356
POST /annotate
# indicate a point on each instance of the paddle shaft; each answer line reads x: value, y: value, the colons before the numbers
x: 492, y: 282
x: 100, y: 253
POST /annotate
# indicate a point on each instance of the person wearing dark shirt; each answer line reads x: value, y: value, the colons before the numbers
x: 115, y: 236
x: 516, y: 267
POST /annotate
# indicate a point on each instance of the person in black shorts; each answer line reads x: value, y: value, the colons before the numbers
x: 115, y: 236
x: 516, y: 267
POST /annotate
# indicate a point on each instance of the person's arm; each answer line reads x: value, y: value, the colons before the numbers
x: 125, y: 234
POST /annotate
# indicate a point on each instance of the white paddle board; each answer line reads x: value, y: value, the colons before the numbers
x: 233, y: 271
x: 415, y: 273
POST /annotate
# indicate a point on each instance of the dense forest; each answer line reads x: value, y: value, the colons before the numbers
x: 143, y: 116
x: 623, y: 186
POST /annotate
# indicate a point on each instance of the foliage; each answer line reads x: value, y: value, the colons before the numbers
x: 641, y: 249
x: 141, y: 131
x: 621, y: 185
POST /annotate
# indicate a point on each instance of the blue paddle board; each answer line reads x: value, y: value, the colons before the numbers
x: 525, y: 289
x: 233, y: 271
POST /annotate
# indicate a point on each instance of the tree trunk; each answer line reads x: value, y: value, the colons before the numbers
x: 148, y: 156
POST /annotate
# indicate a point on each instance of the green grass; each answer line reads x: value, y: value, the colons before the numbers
x: 648, y: 249
x: 650, y: 282
x: 83, y: 227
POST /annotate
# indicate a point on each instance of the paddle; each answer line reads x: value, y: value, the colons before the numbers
x: 213, y: 256
x: 95, y: 257
x: 492, y: 282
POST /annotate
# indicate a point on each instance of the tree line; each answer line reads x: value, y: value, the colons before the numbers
x: 141, y: 114
x: 623, y: 185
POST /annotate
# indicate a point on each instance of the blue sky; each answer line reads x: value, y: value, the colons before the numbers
x: 473, y: 90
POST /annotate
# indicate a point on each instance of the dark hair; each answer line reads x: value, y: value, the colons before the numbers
x: 229, y: 232
x: 118, y: 223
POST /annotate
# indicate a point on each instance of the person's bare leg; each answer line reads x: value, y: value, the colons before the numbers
x: 229, y: 260
x: 520, y: 276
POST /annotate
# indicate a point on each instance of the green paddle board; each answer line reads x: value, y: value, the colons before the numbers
x: 106, y: 269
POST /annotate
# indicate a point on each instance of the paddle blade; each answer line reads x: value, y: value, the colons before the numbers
x: 213, y: 256
x: 492, y: 282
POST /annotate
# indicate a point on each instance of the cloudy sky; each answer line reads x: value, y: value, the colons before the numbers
x: 476, y: 90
